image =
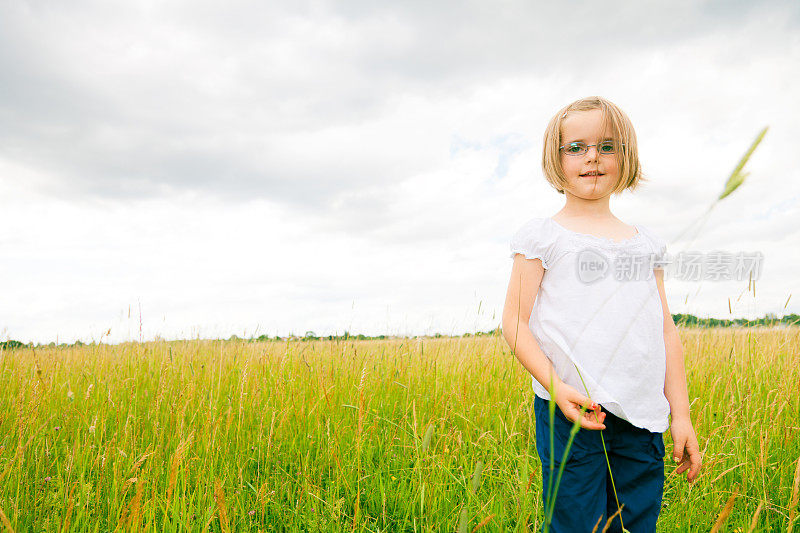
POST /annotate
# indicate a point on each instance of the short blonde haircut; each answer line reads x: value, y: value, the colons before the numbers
x: 630, y: 171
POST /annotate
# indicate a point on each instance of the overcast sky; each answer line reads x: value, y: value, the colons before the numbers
x: 249, y: 168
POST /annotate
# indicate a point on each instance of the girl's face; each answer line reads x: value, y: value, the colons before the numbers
x: 587, y: 127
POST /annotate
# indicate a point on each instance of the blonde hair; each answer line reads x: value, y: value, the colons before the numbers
x: 629, y: 169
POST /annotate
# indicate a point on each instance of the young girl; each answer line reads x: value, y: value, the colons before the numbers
x: 587, y: 316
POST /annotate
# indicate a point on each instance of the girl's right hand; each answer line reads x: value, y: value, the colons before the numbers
x: 570, y: 401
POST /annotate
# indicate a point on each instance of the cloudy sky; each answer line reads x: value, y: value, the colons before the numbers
x: 184, y: 169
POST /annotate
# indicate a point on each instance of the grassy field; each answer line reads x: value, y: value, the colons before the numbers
x: 400, y: 435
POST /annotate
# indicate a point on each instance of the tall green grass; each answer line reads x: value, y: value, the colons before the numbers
x: 399, y: 435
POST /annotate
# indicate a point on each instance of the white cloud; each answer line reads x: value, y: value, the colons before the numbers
x: 360, y: 166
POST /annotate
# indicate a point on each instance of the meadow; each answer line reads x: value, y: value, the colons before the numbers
x: 424, y: 434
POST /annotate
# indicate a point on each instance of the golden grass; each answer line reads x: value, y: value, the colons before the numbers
x: 724, y: 513
x: 754, y: 520
x: 5, y: 521
x: 222, y: 509
x: 793, y: 499
x: 436, y: 434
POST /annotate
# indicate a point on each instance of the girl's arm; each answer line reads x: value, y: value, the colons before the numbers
x: 676, y: 391
x: 526, y: 276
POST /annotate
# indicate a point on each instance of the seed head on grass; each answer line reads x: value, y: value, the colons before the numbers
x: 177, y: 459
x: 754, y: 520
x: 139, y: 462
x: 737, y: 177
x: 426, y: 441
x: 611, y: 519
x: 794, y: 497
x: 476, y: 476
x: 135, y: 505
x: 222, y: 510
x: 597, y: 524
x: 482, y: 523
x: 726, y: 511
x: 463, y: 521
x: 5, y: 521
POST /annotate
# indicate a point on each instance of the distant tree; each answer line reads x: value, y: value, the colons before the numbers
x: 791, y: 319
x: 11, y: 344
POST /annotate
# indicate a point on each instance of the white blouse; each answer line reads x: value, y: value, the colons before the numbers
x: 598, y: 316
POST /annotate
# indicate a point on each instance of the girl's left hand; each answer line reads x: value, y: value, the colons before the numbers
x: 686, y: 451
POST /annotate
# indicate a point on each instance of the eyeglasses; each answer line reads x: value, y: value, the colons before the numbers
x: 579, y: 148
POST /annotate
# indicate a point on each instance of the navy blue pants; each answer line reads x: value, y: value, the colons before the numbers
x: 585, y: 493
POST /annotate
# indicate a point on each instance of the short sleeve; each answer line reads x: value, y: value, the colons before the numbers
x: 658, y: 247
x: 534, y: 240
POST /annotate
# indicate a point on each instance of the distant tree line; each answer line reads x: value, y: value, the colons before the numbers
x: 770, y: 319
x: 681, y: 320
